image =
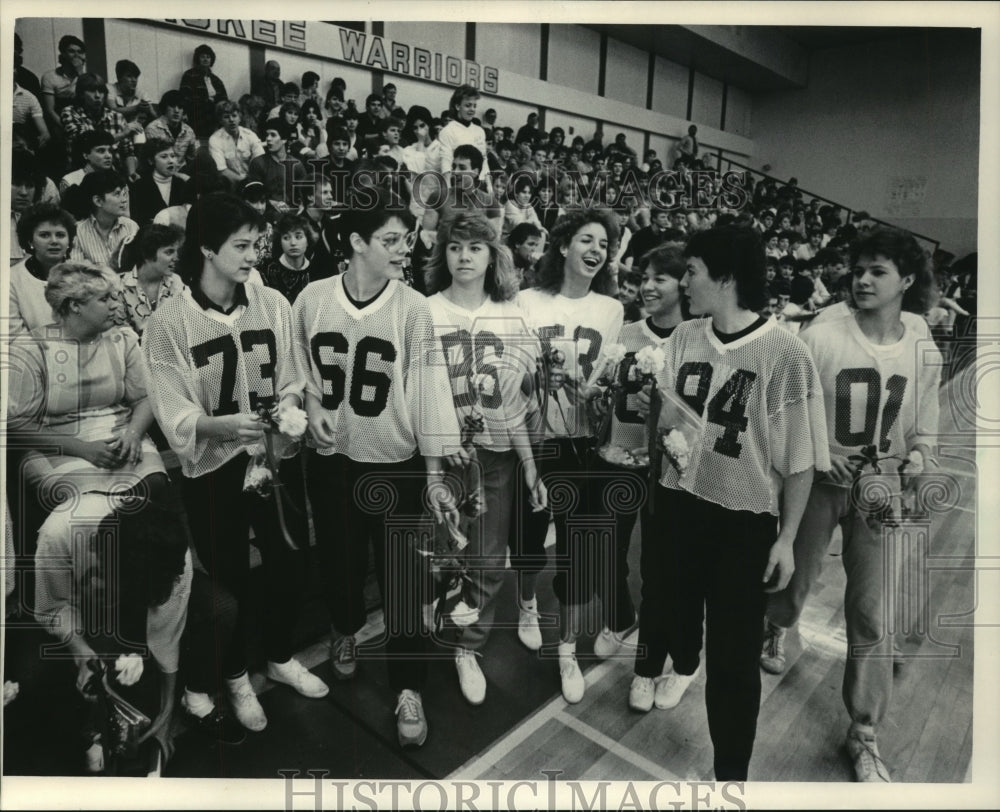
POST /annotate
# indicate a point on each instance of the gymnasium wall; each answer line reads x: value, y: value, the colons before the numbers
x: 568, y: 56
x: 889, y: 127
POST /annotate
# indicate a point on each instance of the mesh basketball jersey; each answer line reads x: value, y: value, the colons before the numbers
x: 373, y: 371
x: 487, y: 352
x: 202, y: 362
x: 582, y: 328
x: 841, y: 310
x: 760, y: 399
x: 882, y: 395
x: 628, y: 427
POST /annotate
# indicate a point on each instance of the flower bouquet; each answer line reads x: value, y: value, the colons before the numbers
x: 284, y: 427
x: 879, y: 502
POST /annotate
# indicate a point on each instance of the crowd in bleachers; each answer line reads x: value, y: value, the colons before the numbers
x: 138, y: 223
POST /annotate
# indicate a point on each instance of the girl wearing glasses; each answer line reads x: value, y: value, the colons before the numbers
x: 378, y: 432
x: 218, y: 352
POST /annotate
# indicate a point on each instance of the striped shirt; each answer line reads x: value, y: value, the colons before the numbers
x: 26, y: 106
x: 91, y: 246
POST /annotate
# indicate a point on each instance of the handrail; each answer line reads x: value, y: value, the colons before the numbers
x: 731, y: 163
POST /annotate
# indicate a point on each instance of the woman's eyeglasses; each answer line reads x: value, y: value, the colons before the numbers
x: 393, y: 239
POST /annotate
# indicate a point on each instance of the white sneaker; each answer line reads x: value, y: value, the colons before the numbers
x: 573, y: 684
x: 295, y: 674
x: 470, y: 676
x: 671, y: 688
x: 640, y: 695
x: 246, y: 707
x: 608, y: 643
x: 863, y: 749
x: 527, y: 624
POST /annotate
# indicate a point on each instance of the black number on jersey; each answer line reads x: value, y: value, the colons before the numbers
x: 727, y: 408
x: 464, y: 369
x: 225, y: 346
x: 586, y: 360
x: 633, y: 387
x: 364, y: 381
x: 872, y: 380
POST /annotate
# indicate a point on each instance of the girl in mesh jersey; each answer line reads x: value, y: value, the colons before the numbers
x: 761, y: 438
x: 880, y: 375
x: 488, y: 352
x: 218, y: 351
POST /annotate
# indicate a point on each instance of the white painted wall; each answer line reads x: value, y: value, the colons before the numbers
x: 574, y: 57
x: 515, y: 47
x: 626, y: 74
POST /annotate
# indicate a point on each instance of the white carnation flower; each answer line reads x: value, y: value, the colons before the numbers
x: 650, y: 360
x: 293, y: 421
x: 463, y: 614
x: 916, y: 463
x: 678, y: 451
x: 615, y: 354
x: 257, y: 477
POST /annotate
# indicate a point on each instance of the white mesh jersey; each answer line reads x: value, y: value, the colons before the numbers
x: 202, y: 362
x: 582, y: 328
x: 882, y: 395
x: 487, y: 352
x: 841, y: 310
x: 762, y: 410
x: 373, y: 371
x: 628, y: 427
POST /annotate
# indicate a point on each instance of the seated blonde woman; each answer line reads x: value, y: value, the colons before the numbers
x: 78, y: 395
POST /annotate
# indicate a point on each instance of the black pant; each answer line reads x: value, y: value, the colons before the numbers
x: 355, y: 504
x: 698, y: 557
x: 220, y: 514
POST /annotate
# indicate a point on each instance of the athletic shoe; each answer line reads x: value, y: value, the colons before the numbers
x: 640, y: 695
x: 93, y: 758
x: 295, y: 674
x: 411, y: 726
x: 470, y: 676
x: 573, y: 684
x: 772, y: 654
x: 671, y: 688
x: 607, y: 643
x: 245, y: 704
x: 527, y: 624
x: 343, y: 657
x: 863, y: 750
x: 216, y: 724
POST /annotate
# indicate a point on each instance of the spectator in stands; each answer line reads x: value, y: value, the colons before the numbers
x: 657, y: 232
x: 620, y: 146
x: 100, y: 236
x: 158, y: 186
x: 390, y: 107
x: 28, y: 186
x: 289, y: 95
x: 311, y: 131
x: 392, y: 130
x: 203, y: 91
x: 24, y: 77
x: 89, y: 113
x: 547, y: 209
x: 518, y: 208
x: 94, y: 151
x: 687, y: 147
x: 149, y: 261
x: 462, y: 130
x: 268, y: 86
x: 310, y: 91
x: 126, y: 97
x: 370, y: 125
x: 809, y: 249
x: 28, y: 117
x: 529, y: 132
x: 628, y: 295
x: 525, y: 244
x: 233, y: 147
x: 78, y: 395
x: 351, y: 118
x: 45, y: 233
x: 170, y: 127
x: 276, y: 169
x: 59, y: 85
x: 288, y: 272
